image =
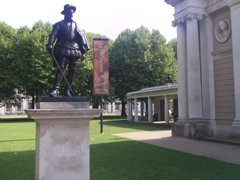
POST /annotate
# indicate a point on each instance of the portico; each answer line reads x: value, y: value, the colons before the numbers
x: 208, y: 41
x: 152, y: 103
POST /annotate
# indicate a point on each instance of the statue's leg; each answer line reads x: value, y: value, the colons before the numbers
x: 72, y: 65
x: 58, y: 76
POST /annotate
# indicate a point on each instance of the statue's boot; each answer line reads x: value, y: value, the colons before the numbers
x: 67, y: 93
x: 58, y: 79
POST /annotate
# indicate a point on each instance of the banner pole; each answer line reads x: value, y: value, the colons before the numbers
x: 101, y: 117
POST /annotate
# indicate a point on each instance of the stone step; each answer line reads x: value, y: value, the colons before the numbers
x: 221, y: 140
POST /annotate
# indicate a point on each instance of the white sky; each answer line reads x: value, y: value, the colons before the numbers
x: 106, y: 17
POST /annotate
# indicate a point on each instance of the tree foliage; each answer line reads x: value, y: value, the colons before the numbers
x: 173, y: 44
x: 35, y: 64
x: 139, y: 59
x: 26, y: 66
x: 9, y: 70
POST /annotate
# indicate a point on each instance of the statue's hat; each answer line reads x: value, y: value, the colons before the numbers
x: 67, y: 7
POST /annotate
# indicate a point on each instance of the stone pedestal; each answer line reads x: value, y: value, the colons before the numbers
x: 62, y: 142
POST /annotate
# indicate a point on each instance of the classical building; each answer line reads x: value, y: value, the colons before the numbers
x: 153, y: 103
x: 208, y: 50
x: 112, y: 107
x: 10, y: 110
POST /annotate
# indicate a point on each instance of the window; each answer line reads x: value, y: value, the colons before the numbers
x: 8, y: 108
x: 19, y: 107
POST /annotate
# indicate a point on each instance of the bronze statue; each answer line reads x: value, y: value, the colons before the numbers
x: 71, y: 44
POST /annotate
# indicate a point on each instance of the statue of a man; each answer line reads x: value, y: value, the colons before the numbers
x: 71, y: 45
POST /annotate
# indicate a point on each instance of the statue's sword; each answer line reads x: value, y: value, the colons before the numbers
x: 60, y: 69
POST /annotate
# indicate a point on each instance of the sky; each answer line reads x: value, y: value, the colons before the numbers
x: 106, y: 17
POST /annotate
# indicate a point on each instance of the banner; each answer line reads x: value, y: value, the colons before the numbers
x: 100, y: 67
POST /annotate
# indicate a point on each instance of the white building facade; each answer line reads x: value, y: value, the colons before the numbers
x: 208, y: 50
x: 11, y: 110
x: 152, y: 103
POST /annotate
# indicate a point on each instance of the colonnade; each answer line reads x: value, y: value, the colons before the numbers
x: 150, y: 108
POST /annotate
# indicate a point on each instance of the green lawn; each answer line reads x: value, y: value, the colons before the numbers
x: 111, y: 157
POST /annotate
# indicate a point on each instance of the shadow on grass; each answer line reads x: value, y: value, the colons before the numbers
x: 120, y: 121
x: 135, y: 160
x: 19, y: 140
x: 14, y: 120
x: 128, y: 160
x: 17, y: 165
x: 112, y: 117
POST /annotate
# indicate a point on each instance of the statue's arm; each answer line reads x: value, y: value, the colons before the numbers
x: 52, y: 37
x: 83, y: 40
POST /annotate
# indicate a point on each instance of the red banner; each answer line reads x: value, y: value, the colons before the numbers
x: 100, y: 67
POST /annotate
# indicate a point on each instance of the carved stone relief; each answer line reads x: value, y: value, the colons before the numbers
x: 223, y: 29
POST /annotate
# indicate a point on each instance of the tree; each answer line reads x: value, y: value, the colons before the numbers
x: 35, y: 64
x: 9, y: 80
x: 139, y: 59
x: 173, y: 44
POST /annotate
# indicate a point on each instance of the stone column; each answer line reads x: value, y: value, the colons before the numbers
x: 150, y: 117
x: 193, y: 69
x: 206, y: 49
x: 157, y: 107
x: 135, y: 110
x: 129, y: 105
x: 128, y: 109
x: 113, y: 107
x: 2, y: 110
x: 142, y: 108
x: 235, y: 11
x: 182, y: 72
x: 166, y: 114
x: 107, y: 107
x: 209, y: 50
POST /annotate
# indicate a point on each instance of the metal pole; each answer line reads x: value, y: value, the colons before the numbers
x: 60, y: 69
x: 101, y: 117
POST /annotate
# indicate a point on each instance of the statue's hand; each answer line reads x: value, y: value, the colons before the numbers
x: 82, y: 57
x: 49, y: 48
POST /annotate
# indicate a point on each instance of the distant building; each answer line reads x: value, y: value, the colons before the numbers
x: 7, y: 110
x: 109, y: 108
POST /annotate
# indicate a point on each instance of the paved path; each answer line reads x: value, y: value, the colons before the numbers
x: 219, y: 151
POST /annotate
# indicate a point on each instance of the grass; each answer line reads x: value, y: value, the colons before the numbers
x: 111, y: 157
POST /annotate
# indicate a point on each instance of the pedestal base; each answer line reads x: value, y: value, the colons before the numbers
x: 62, y: 143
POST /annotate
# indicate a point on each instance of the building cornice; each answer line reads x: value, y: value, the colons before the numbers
x: 173, y: 2
x: 233, y: 2
x: 215, y: 5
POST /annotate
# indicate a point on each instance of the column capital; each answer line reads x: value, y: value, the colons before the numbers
x: 188, y: 17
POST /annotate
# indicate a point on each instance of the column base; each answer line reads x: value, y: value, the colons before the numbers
x: 190, y: 128
x: 236, y: 123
